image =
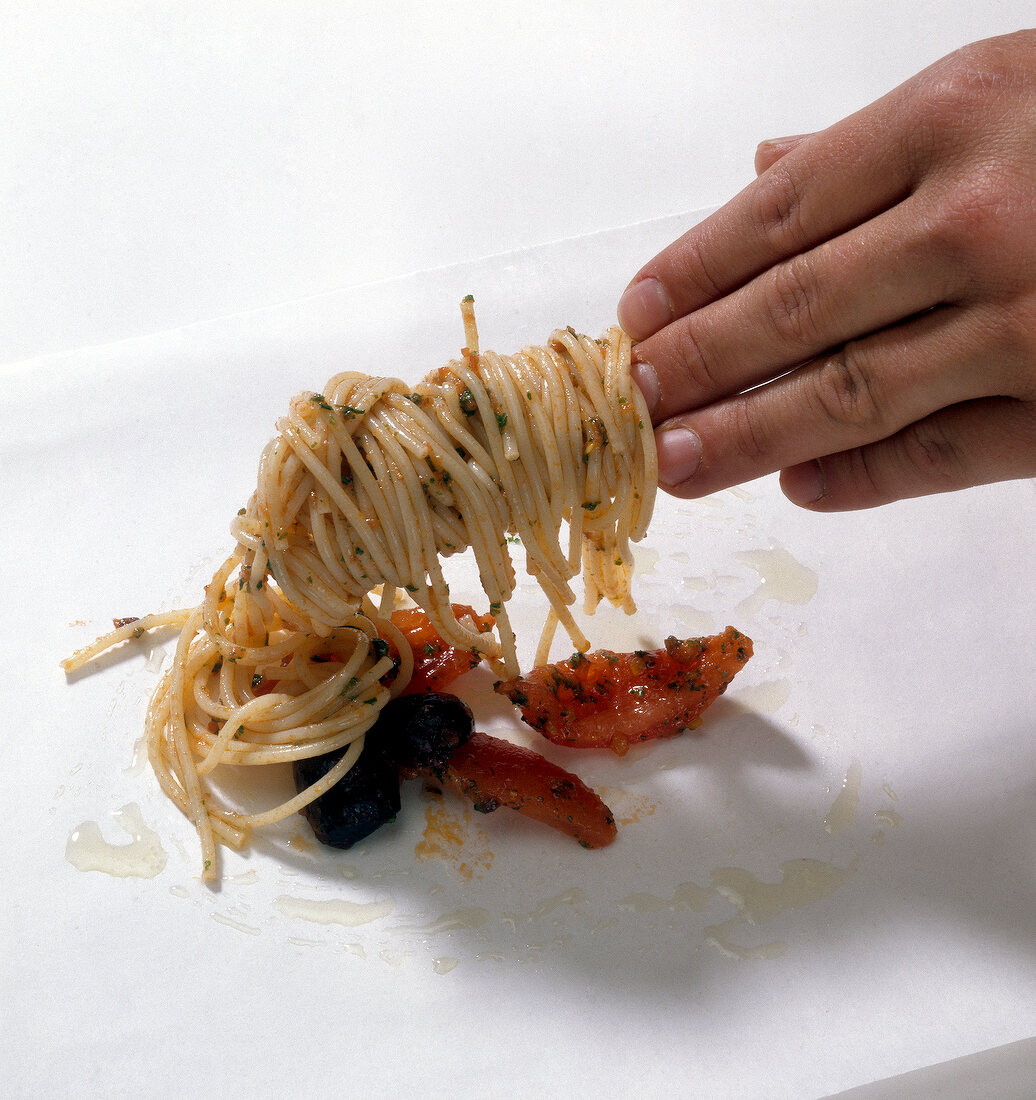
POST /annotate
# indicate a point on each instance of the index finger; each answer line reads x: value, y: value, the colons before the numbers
x: 832, y: 181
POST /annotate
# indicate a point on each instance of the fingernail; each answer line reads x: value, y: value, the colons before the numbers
x: 679, y: 455
x: 643, y: 374
x: 644, y: 308
x: 804, y: 484
x: 768, y: 152
x: 782, y: 142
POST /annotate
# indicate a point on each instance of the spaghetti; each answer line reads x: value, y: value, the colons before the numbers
x: 367, y: 486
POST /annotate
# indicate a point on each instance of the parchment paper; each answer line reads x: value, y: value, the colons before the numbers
x: 830, y: 883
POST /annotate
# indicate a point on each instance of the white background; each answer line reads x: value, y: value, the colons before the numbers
x: 167, y: 163
x: 235, y: 169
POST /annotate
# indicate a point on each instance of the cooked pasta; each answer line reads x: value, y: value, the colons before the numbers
x: 366, y: 488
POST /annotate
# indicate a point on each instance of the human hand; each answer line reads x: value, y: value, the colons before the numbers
x: 862, y: 316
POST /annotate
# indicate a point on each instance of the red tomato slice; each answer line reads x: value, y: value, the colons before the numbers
x: 492, y: 773
x: 436, y: 664
x: 613, y: 700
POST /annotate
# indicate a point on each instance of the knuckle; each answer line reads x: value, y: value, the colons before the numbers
x: 745, y: 431
x: 977, y: 204
x: 953, y: 90
x: 792, y: 303
x: 1007, y: 334
x: 695, y: 272
x: 697, y: 370
x: 928, y: 449
x: 778, y: 206
x: 845, y: 392
x: 970, y: 80
x: 969, y: 231
x: 864, y: 473
x: 1020, y: 359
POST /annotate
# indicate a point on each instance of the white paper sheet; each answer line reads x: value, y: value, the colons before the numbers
x: 831, y: 884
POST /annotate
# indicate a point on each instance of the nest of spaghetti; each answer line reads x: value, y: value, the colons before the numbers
x: 367, y: 487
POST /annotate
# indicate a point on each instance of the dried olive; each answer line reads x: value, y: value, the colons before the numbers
x: 422, y: 731
x: 366, y: 797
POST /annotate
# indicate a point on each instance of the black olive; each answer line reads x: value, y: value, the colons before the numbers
x: 366, y: 797
x: 422, y: 731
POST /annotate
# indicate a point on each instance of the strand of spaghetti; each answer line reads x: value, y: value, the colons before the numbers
x: 380, y: 553
x: 551, y: 572
x: 299, y: 708
x: 432, y: 591
x: 326, y: 546
x: 277, y: 714
x: 528, y: 485
x: 572, y: 515
x: 187, y: 773
x: 215, y: 593
x: 519, y: 491
x: 424, y: 574
x: 131, y: 628
x: 310, y: 794
x: 550, y: 467
x: 422, y: 543
x: 297, y: 742
x: 159, y: 746
x: 586, y: 354
x: 564, y: 410
x: 160, y: 749
x: 550, y: 626
x: 467, y: 312
x: 476, y: 500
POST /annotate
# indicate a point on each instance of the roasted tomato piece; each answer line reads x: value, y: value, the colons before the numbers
x: 436, y: 664
x: 418, y: 732
x: 613, y: 700
x: 364, y: 799
x: 493, y: 773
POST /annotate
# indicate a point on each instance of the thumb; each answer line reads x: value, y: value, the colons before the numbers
x: 974, y: 443
x: 770, y: 151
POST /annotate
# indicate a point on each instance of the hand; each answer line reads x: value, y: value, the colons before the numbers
x: 863, y: 315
